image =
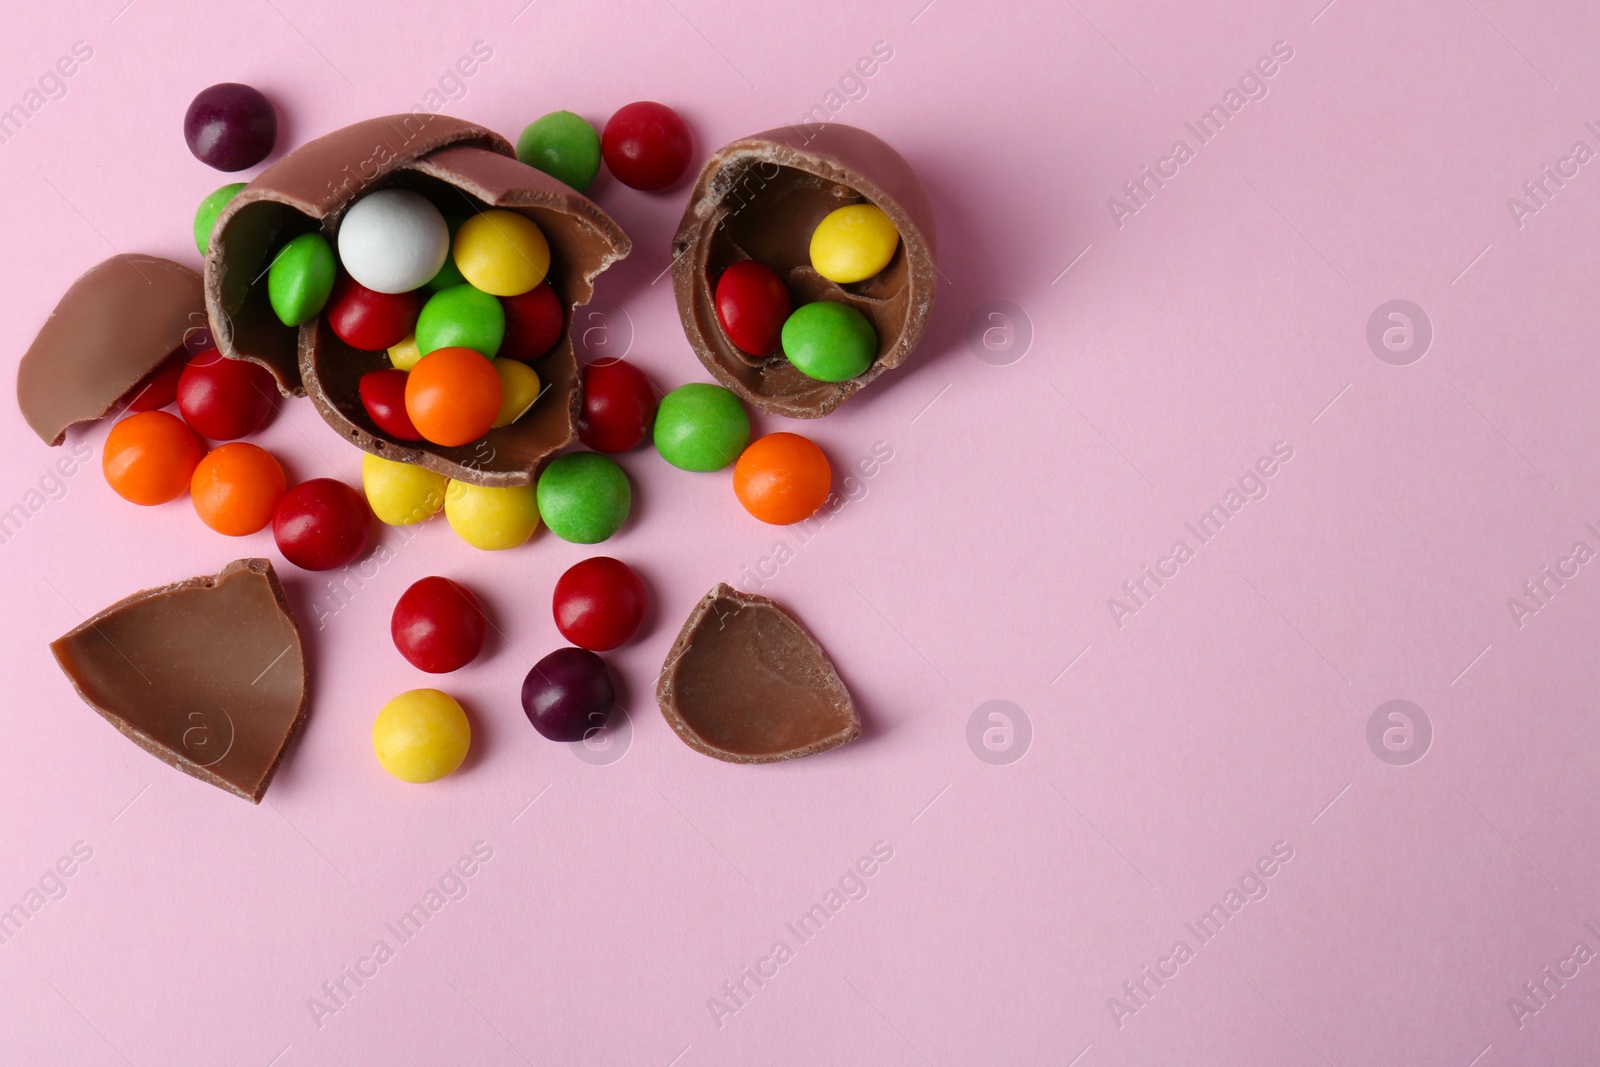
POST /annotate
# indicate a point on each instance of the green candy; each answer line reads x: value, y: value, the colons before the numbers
x: 829, y: 341
x: 584, y: 497
x: 562, y: 145
x: 205, y: 215
x: 701, y: 427
x: 300, y: 279
x: 461, y: 316
x: 449, y: 275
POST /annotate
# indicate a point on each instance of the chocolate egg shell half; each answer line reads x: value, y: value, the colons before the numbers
x: 583, y: 242
x: 760, y: 198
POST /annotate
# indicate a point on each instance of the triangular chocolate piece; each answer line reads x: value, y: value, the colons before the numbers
x: 207, y: 675
x: 746, y: 683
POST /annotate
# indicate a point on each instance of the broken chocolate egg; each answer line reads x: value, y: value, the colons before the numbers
x: 761, y: 198
x: 208, y: 675
x: 746, y: 683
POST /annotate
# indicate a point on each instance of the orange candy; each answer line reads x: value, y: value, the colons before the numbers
x: 236, y: 488
x: 782, y: 478
x: 150, y: 456
x: 453, y: 396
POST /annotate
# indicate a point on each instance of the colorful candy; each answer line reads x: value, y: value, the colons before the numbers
x: 150, y: 457
x: 562, y: 145
x: 599, y: 603
x: 371, y: 321
x: 462, y: 316
x: 646, y: 145
x: 401, y: 493
x: 322, y: 524
x: 492, y: 517
x: 449, y: 274
x: 751, y: 305
x: 224, y: 398
x: 301, y: 278
x: 205, y: 216
x: 236, y: 488
x: 853, y: 243
x: 829, y: 341
x: 230, y: 126
x: 160, y: 387
x: 533, y: 323
x: 393, y: 241
x: 701, y: 427
x: 405, y: 355
x: 618, y: 406
x: 453, y: 396
x: 568, y: 694
x: 782, y: 478
x: 383, y: 394
x: 584, y: 497
x: 519, y: 388
x: 421, y: 735
x: 502, y: 252
x: 438, y: 625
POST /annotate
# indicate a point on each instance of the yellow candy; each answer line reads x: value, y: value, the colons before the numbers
x: 492, y: 518
x: 404, y: 355
x: 401, y: 493
x: 853, y: 243
x: 502, y: 253
x: 421, y: 735
x: 519, y: 388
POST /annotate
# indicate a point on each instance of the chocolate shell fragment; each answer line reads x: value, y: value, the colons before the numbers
x: 760, y: 198
x: 115, y: 325
x: 207, y: 675
x: 746, y: 683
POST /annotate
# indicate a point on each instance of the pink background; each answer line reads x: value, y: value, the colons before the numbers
x: 1167, y: 755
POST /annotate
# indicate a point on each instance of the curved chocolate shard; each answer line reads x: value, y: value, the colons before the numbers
x: 208, y: 675
x: 584, y: 241
x: 746, y: 683
x: 115, y: 325
x: 307, y: 190
x: 760, y: 198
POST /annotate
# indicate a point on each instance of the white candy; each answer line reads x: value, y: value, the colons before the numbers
x: 393, y: 241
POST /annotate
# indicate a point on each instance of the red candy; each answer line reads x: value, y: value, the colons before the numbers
x: 383, y: 394
x: 533, y: 323
x: 646, y: 145
x: 599, y: 603
x: 159, y: 388
x: 751, y: 305
x: 369, y: 320
x: 618, y: 406
x: 438, y: 625
x: 224, y: 398
x: 322, y: 524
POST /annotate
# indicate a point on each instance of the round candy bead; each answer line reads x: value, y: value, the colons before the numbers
x: 236, y: 488
x: 701, y: 427
x: 449, y: 274
x: 829, y: 341
x: 568, y: 694
x: 519, y: 388
x: 224, y: 398
x: 150, y: 457
x: 533, y: 323
x: 453, y: 396
x: 369, y: 320
x: 230, y: 126
x: 502, y: 252
x: 300, y: 279
x: 853, y: 243
x: 160, y: 386
x: 438, y: 625
x: 492, y: 517
x: 751, y: 305
x: 404, y: 355
x: 562, y: 145
x: 782, y: 478
x: 393, y: 240
x: 321, y: 524
x: 205, y: 216
x: 462, y: 316
x: 599, y: 603
x: 421, y: 735
x: 401, y: 493
x: 383, y: 394
x: 584, y: 497
x: 618, y: 405
x: 646, y: 145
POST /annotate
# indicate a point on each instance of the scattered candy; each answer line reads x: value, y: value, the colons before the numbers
x: 751, y: 306
x: 782, y: 478
x: 492, y: 517
x: 599, y: 603
x: 383, y: 394
x: 230, y: 126
x: 224, y: 398
x: 322, y: 524
x: 584, y: 497
x: 421, y: 735
x: 150, y: 457
x: 618, y: 406
x: 562, y: 145
x: 502, y: 252
x: 393, y: 241
x: 533, y: 323
x: 300, y: 279
x: 369, y: 320
x: 568, y: 694
x: 205, y: 215
x: 646, y: 145
x: 519, y: 388
x: 829, y: 341
x: 404, y: 355
x: 462, y: 316
x: 853, y: 243
x: 453, y: 396
x: 401, y: 493
x: 236, y: 488
x: 160, y: 388
x: 701, y: 427
x: 438, y: 625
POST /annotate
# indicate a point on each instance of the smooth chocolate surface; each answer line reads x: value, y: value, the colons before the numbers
x: 208, y: 675
x: 760, y: 198
x: 115, y: 325
x: 584, y: 241
x: 746, y: 683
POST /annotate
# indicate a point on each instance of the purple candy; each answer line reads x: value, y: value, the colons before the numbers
x: 230, y: 126
x: 568, y: 694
